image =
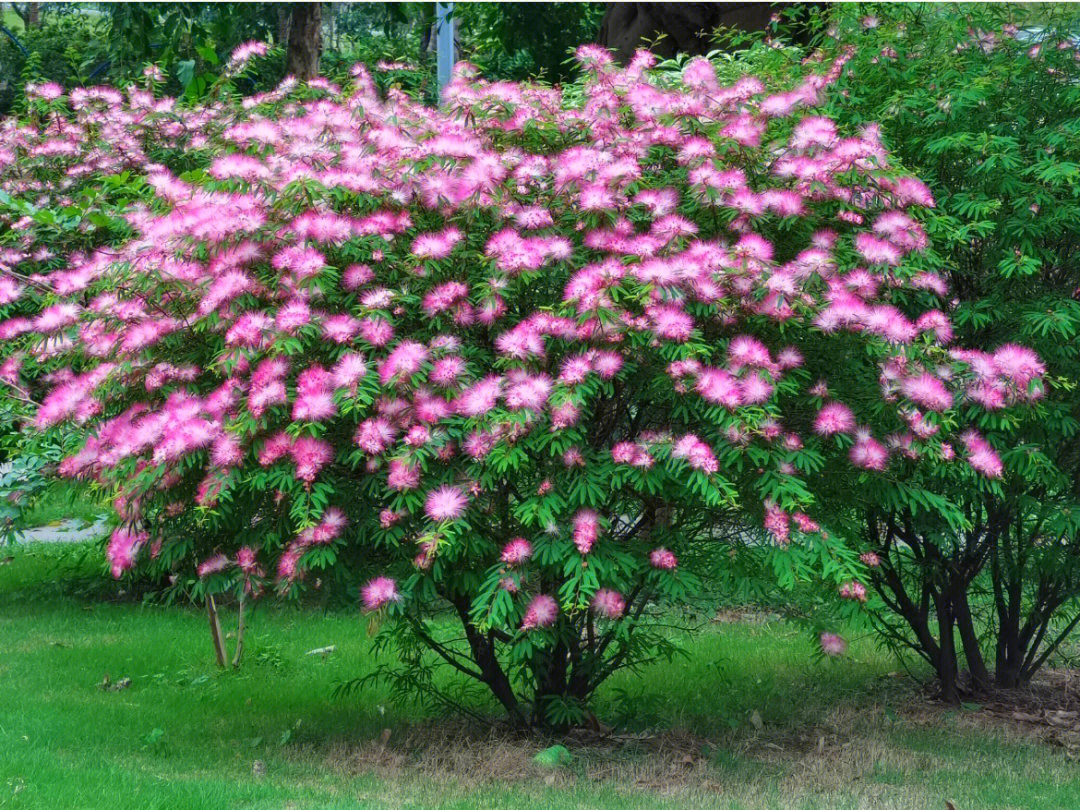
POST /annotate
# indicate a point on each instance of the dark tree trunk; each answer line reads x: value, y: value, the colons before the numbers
x: 33, y: 15
x: 965, y: 626
x: 284, y: 20
x: 305, y: 41
x: 687, y: 27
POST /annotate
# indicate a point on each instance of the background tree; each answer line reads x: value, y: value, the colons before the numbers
x: 305, y: 41
x: 981, y: 103
x: 687, y: 28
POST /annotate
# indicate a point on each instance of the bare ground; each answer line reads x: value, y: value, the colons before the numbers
x: 843, y: 755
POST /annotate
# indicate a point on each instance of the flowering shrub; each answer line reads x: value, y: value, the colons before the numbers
x: 546, y: 353
x: 980, y: 101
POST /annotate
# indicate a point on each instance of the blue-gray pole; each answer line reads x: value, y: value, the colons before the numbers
x: 444, y: 43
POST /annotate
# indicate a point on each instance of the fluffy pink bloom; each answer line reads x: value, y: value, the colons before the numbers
x: 719, y: 386
x: 445, y: 503
x: 853, y: 590
x: 663, y: 559
x: 378, y: 592
x: 402, y: 475
x: 1018, y: 364
x: 832, y: 644
x: 834, y: 417
x: 869, y: 454
x: 517, y: 551
x: 436, y: 245
x: 310, y: 456
x: 697, y: 453
x: 981, y: 455
x: 124, y: 544
x: 778, y: 524
x: 541, y: 612
x: 374, y: 436
x: 608, y: 603
x: 586, y: 530
x: 927, y: 391
x: 211, y: 565
x: 404, y: 361
x: 247, y: 561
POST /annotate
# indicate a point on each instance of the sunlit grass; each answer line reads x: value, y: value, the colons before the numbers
x: 841, y: 733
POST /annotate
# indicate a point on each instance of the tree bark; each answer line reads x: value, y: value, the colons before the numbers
x: 33, y: 15
x: 215, y: 631
x: 305, y: 41
x: 284, y: 23
x: 965, y: 625
x: 686, y: 27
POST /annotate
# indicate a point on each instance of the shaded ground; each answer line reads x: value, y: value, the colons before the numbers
x: 751, y: 719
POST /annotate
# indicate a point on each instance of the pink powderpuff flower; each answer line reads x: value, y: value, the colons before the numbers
x: 671, y: 323
x: 564, y: 416
x: 374, y: 436
x: 833, y: 418
x: 356, y: 276
x: 388, y: 517
x: 868, y: 453
x: 719, y: 386
x: 778, y: 524
x: 348, y: 370
x: 870, y: 559
x: 445, y: 503
x: 609, y: 603
x: 446, y: 371
x: 379, y: 592
x: 853, y: 590
x: 124, y: 544
x: 376, y: 331
x: 340, y: 328
x: 832, y: 644
x: 927, y: 391
x: 226, y: 451
x: 247, y: 561
x: 436, y: 245
x: 607, y: 364
x: 663, y: 559
x: 586, y: 530
x: 573, y: 457
x: 404, y: 361
x: 276, y: 447
x: 697, y: 454
x: 288, y: 564
x: 314, y: 405
x: 541, y: 612
x: 1018, y: 364
x: 402, y: 475
x: 310, y: 455
x: 212, y: 565
x: 981, y: 455
x: 517, y: 551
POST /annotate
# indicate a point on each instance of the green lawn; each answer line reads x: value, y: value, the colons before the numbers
x: 60, y: 501
x: 12, y: 21
x: 833, y: 734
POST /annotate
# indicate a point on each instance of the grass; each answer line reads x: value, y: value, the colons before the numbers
x: 842, y: 733
x: 63, y: 500
x: 12, y: 21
